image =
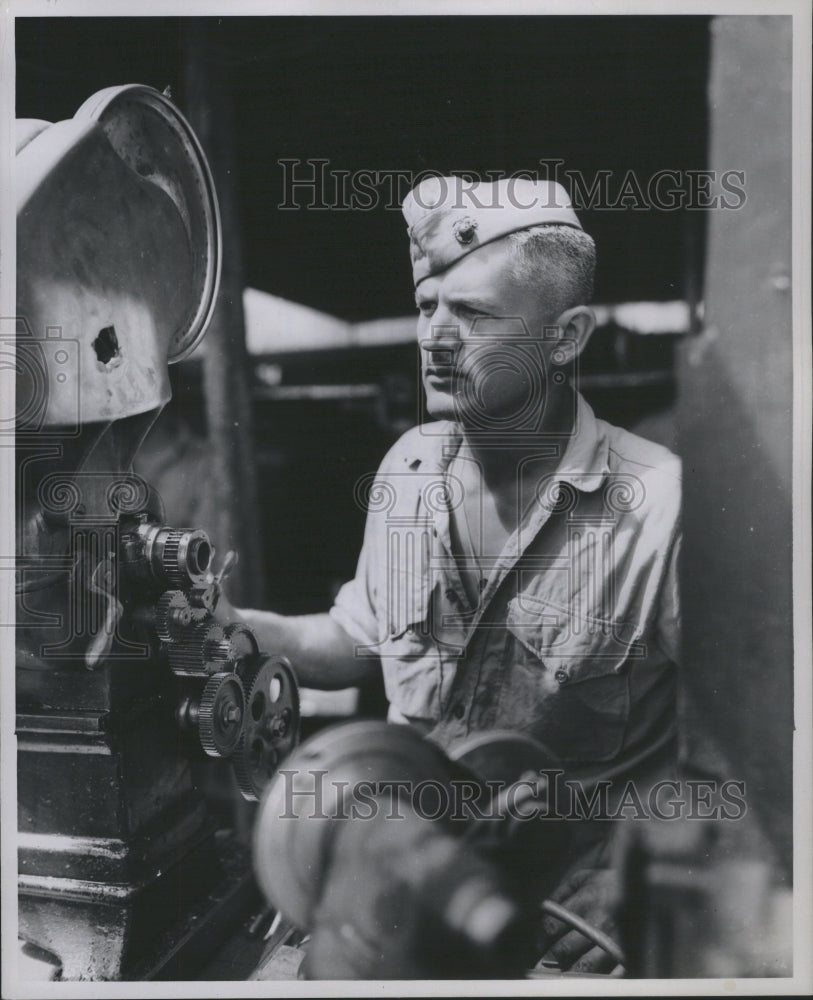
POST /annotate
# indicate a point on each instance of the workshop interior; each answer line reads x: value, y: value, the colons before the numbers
x: 210, y: 355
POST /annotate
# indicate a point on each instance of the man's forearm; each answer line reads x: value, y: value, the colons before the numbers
x: 322, y: 653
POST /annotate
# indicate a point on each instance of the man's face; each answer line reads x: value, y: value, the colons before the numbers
x: 483, y: 356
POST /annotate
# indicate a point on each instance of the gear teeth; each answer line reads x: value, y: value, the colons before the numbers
x: 218, y: 737
x: 168, y: 627
x: 209, y: 648
x: 192, y: 655
x: 219, y: 653
x: 169, y: 560
x: 245, y: 772
x: 242, y: 642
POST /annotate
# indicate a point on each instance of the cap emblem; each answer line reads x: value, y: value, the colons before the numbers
x: 464, y: 229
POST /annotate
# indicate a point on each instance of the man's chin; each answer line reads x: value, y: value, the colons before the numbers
x: 440, y: 405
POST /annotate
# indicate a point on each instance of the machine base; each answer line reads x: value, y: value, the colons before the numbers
x: 167, y: 930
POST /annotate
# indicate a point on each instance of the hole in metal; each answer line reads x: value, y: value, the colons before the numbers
x: 106, y: 345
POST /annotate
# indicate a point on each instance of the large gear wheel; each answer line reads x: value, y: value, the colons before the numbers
x: 271, y: 725
x: 220, y: 714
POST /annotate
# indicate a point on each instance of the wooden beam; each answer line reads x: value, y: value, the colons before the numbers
x: 207, y: 104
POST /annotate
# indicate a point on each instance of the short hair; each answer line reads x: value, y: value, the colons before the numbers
x: 556, y: 258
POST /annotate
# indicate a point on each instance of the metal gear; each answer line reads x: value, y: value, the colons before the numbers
x: 220, y: 714
x: 239, y: 644
x: 196, y: 653
x: 271, y: 724
x: 172, y: 615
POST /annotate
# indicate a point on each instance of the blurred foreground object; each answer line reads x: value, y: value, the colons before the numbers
x: 405, y: 864
x: 700, y: 901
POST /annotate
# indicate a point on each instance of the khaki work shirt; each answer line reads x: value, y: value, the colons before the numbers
x: 574, y: 640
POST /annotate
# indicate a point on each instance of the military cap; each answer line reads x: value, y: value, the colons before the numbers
x: 449, y: 217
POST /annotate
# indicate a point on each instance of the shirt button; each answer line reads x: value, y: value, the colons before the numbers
x: 459, y: 711
x: 561, y: 675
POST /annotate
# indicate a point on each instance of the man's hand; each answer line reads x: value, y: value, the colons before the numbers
x: 589, y: 893
x: 225, y: 612
x: 322, y: 654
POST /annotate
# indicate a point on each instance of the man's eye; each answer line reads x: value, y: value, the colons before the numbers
x: 427, y: 308
x: 470, y: 315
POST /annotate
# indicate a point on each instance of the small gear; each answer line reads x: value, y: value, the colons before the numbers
x: 239, y: 644
x: 197, y: 652
x: 172, y: 615
x: 271, y: 725
x: 220, y: 714
x: 224, y: 647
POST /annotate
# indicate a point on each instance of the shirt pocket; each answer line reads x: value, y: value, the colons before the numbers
x: 568, y: 682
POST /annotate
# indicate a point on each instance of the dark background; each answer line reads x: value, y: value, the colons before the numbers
x: 410, y: 94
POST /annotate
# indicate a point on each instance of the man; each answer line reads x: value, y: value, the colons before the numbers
x: 518, y: 566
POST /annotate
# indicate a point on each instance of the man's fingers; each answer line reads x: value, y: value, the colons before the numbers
x: 568, y: 949
x: 596, y: 960
x: 585, y: 896
x: 572, y: 951
x: 570, y: 885
x: 553, y: 929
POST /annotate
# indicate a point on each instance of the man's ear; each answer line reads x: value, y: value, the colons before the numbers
x: 576, y: 324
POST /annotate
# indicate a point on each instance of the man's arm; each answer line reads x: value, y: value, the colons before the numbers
x: 323, y: 655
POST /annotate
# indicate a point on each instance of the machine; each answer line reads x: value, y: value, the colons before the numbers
x: 123, y: 675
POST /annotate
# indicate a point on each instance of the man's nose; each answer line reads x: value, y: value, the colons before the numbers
x: 442, y: 343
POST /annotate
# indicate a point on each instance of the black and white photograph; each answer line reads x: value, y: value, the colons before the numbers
x: 405, y: 561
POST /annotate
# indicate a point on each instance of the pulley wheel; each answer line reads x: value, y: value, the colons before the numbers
x: 271, y: 725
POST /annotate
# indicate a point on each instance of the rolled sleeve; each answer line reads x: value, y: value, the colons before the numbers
x: 353, y: 612
x: 354, y: 606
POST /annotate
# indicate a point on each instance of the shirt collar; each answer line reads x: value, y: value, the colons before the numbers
x: 584, y: 464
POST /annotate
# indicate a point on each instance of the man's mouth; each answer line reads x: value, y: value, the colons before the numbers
x: 441, y: 373
x: 442, y: 380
